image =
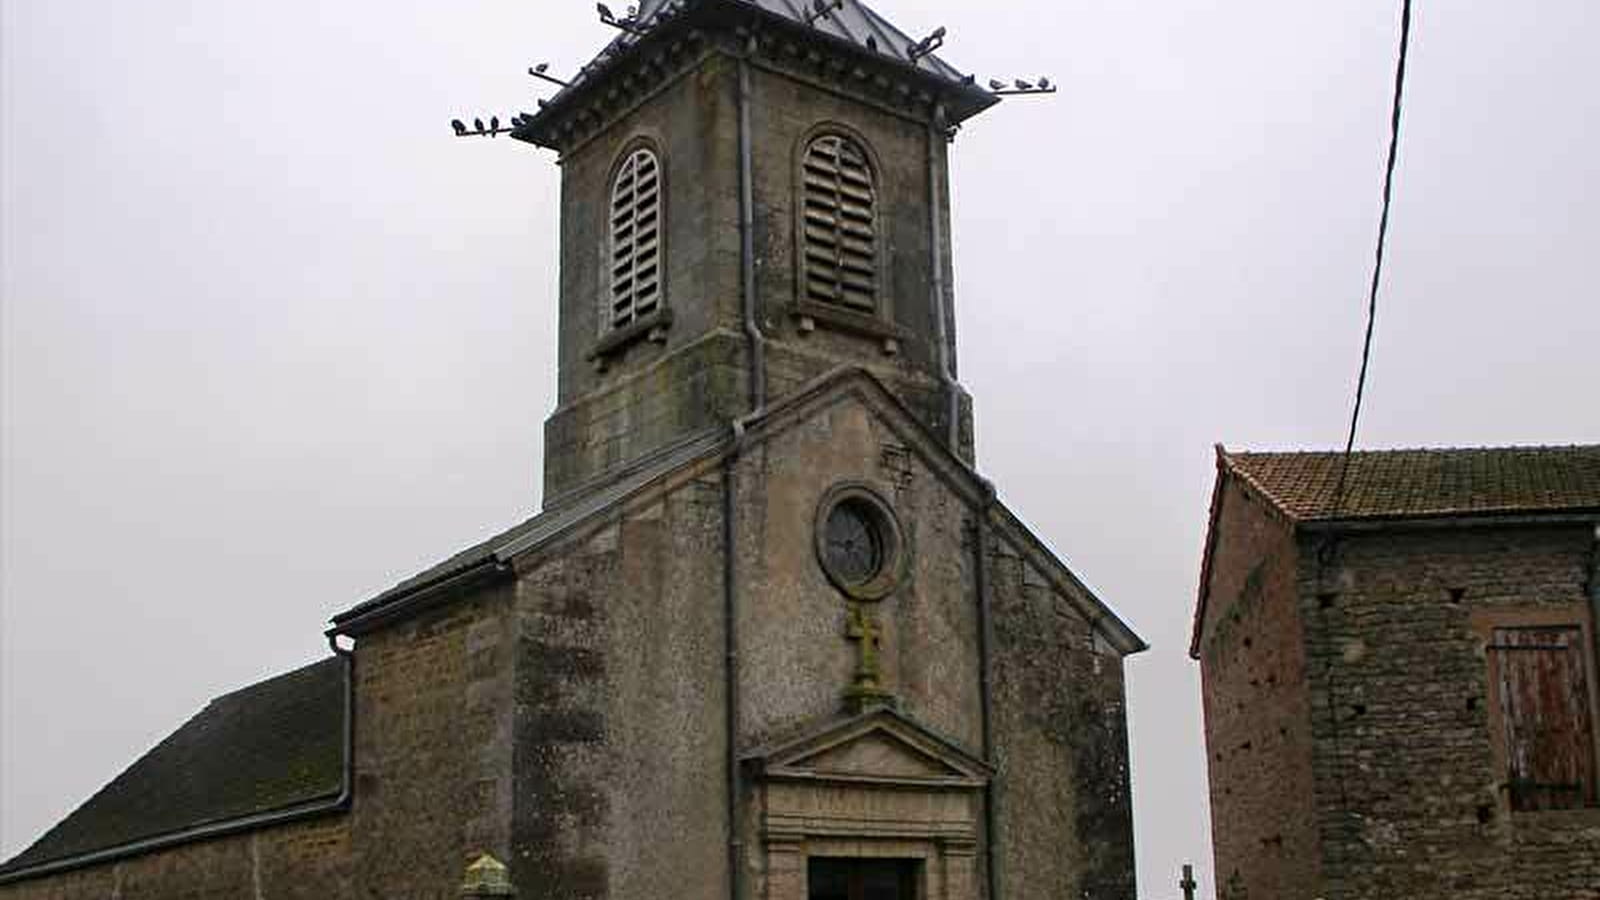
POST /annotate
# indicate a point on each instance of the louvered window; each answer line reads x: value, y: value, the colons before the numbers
x: 840, y: 241
x: 635, y: 245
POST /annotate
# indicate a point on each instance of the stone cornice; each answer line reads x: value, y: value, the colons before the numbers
x: 624, y: 77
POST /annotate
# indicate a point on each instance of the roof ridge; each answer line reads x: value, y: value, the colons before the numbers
x: 1509, y: 448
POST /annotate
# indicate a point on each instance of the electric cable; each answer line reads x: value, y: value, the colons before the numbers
x: 1383, y: 234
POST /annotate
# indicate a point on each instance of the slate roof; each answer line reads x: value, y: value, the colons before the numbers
x: 548, y: 524
x: 274, y: 745
x: 1385, y: 484
x: 853, y: 25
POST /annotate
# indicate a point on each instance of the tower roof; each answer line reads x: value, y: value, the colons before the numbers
x: 853, y: 22
x: 852, y: 27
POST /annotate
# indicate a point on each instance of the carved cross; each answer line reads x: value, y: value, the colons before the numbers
x: 863, y: 629
x: 867, y: 690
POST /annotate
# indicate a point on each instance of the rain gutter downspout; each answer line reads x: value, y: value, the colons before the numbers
x: 941, y: 309
x: 756, y: 359
x: 1594, y: 588
x: 986, y: 686
x: 207, y: 831
x: 348, y: 777
x: 747, y: 239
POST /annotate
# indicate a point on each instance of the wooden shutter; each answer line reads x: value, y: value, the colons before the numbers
x: 635, y: 241
x: 840, y: 226
x: 1545, y: 713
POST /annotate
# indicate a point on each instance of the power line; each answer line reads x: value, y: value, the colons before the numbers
x: 1383, y: 234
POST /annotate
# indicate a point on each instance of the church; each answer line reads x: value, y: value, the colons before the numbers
x: 771, y: 636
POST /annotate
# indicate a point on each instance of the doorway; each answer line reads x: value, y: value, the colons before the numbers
x: 861, y: 879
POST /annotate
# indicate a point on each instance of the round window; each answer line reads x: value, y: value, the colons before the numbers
x: 858, y: 542
x: 854, y: 546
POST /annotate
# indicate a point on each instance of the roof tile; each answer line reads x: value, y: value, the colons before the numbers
x: 1423, y: 483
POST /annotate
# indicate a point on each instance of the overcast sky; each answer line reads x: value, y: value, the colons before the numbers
x: 273, y: 340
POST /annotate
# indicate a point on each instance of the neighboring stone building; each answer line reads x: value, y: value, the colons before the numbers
x: 1400, y: 687
x: 771, y: 636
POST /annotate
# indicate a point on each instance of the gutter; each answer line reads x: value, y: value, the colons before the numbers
x: 747, y: 240
x: 730, y: 646
x: 1594, y: 588
x: 757, y: 362
x: 986, y: 688
x: 941, y: 310
x: 1486, y: 519
x: 421, y: 597
x: 336, y: 803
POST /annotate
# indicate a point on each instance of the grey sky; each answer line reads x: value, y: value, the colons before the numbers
x: 272, y: 339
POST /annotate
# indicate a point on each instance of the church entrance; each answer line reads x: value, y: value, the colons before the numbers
x: 861, y: 879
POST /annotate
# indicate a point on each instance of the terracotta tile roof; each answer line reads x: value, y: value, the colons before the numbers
x: 1423, y: 483
x: 273, y: 745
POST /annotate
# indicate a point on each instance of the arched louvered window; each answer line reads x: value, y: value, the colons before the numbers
x: 635, y: 241
x: 839, y: 217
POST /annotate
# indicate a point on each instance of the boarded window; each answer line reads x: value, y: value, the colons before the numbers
x: 1543, y: 690
x: 840, y: 241
x: 635, y: 244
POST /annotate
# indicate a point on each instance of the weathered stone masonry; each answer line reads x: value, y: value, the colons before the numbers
x: 1355, y: 739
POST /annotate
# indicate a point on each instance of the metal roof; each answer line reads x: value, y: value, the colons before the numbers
x: 546, y: 525
x: 856, y: 23
x: 853, y: 23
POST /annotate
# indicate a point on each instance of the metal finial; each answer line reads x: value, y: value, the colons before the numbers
x: 822, y: 9
x: 927, y: 45
x: 541, y: 71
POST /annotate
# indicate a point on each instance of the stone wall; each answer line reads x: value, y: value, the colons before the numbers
x: 694, y: 376
x: 620, y: 762
x: 1349, y: 716
x: 1059, y: 719
x: 433, y: 747
x: 651, y: 392
x: 1410, y: 794
x: 1065, y: 820
x: 788, y: 110
x: 1257, y: 699
x: 308, y: 860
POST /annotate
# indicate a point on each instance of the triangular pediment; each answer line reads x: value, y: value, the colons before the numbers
x: 878, y: 753
x: 879, y: 746
x: 854, y: 385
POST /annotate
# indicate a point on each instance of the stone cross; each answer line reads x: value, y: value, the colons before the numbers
x: 867, y: 690
x: 1187, y: 884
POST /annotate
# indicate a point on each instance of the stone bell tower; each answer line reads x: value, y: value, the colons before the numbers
x: 751, y: 196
